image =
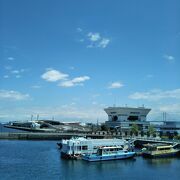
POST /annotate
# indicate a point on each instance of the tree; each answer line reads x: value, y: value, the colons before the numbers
x: 151, y: 130
x: 134, y: 129
x: 104, y: 127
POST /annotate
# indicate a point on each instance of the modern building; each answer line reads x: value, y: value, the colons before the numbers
x: 123, y: 118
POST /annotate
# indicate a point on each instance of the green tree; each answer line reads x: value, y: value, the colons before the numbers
x: 104, y: 127
x: 134, y: 129
x: 151, y: 130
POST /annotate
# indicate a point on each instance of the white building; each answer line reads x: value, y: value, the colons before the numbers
x: 124, y: 117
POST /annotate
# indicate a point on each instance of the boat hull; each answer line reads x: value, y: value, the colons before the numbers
x: 148, y: 155
x: 93, y: 158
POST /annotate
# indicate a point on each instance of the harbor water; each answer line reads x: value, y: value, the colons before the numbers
x: 34, y: 160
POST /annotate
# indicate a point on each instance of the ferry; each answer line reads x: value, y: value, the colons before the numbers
x: 159, y: 150
x: 109, y: 153
x: 75, y: 147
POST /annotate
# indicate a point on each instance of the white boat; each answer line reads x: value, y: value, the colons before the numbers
x: 77, y: 146
x: 109, y: 153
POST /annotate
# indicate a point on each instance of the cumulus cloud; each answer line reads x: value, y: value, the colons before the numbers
x: 53, y: 75
x: 78, y: 81
x: 115, y: 85
x: 94, y: 36
x: 93, y: 39
x: 156, y: 94
x: 15, y: 72
x: 169, y: 58
x: 96, y: 40
x: 6, y: 76
x: 66, y: 84
x: 103, y: 43
x: 13, y: 95
x: 10, y: 58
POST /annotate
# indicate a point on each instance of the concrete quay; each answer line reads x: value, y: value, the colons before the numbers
x: 47, y: 136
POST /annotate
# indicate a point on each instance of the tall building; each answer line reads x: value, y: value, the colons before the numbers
x: 124, y: 117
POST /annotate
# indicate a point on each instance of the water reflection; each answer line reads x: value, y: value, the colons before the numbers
x: 82, y: 169
x: 161, y: 162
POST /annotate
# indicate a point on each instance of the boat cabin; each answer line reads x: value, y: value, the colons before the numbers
x: 109, y: 150
x: 158, y: 147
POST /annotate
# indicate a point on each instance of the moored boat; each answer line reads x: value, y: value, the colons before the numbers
x: 159, y: 150
x: 109, y: 153
x: 75, y: 147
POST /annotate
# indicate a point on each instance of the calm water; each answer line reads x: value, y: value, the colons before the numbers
x: 23, y: 160
x: 41, y: 160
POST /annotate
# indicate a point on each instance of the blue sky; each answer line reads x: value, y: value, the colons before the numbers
x: 70, y: 59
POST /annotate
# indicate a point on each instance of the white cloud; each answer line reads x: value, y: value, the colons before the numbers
x: 11, y: 58
x: 53, y: 75
x: 94, y: 36
x: 79, y: 30
x: 8, y: 67
x: 170, y: 108
x: 156, y: 94
x: 104, y: 42
x: 169, y: 58
x: 18, y: 76
x: 115, y: 85
x: 6, y: 76
x: 13, y: 95
x: 150, y: 76
x: 66, y: 84
x: 36, y: 87
x: 15, y: 72
x: 93, y: 39
x: 78, y: 81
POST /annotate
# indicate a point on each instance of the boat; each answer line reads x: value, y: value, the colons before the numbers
x: 109, y: 153
x: 75, y: 147
x: 159, y: 150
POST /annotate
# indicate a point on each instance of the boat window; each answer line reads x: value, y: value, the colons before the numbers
x: 99, y: 152
x: 84, y: 147
x: 165, y: 148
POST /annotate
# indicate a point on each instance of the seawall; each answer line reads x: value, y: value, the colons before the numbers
x: 44, y: 136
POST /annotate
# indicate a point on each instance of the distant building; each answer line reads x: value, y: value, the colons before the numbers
x: 170, y: 127
x: 124, y: 117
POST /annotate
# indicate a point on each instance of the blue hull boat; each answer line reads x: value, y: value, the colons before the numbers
x: 108, y: 153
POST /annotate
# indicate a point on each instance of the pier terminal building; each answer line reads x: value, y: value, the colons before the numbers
x: 122, y: 118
